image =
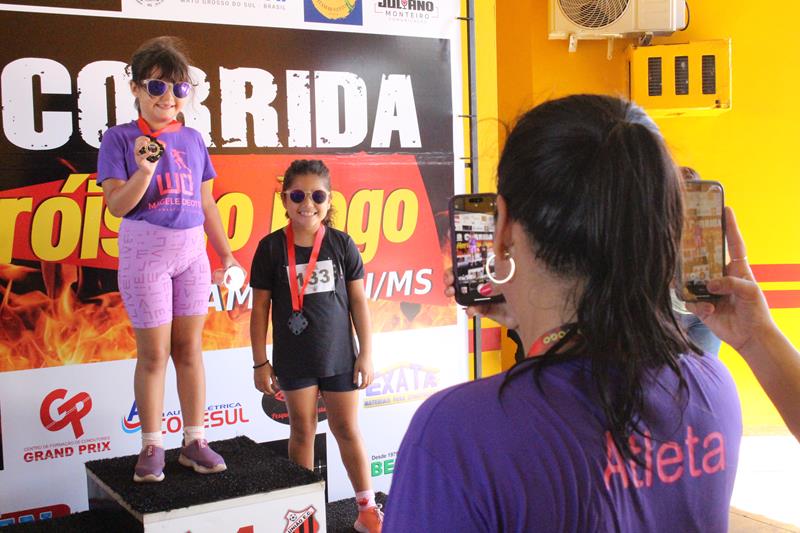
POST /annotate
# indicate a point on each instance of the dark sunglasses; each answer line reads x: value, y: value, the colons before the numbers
x: 297, y: 196
x: 157, y: 88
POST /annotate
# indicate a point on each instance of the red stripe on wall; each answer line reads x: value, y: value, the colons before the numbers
x: 783, y: 299
x: 772, y: 273
x: 490, y: 340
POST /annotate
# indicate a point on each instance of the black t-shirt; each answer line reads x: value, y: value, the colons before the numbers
x: 325, y: 348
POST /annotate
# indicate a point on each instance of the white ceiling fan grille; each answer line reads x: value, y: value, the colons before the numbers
x: 593, y: 13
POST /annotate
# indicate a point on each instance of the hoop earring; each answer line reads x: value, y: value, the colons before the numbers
x: 491, y: 259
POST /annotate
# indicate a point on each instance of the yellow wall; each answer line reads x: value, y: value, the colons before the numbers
x: 750, y: 149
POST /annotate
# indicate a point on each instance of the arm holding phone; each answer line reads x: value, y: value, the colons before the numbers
x: 741, y: 318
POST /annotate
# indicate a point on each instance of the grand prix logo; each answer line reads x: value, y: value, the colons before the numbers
x: 301, y: 521
x: 71, y: 411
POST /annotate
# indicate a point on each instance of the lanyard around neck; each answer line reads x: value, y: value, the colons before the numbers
x: 297, y: 295
x: 547, y: 339
x: 144, y: 127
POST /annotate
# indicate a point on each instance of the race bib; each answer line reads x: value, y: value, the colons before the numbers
x: 322, y: 279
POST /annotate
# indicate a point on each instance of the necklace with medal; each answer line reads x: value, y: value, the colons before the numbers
x: 155, y: 148
x: 547, y: 339
x: 297, y: 321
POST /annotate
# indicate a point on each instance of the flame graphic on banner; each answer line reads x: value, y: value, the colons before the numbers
x: 39, y: 331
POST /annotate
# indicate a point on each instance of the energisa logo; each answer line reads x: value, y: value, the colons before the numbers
x: 408, y: 10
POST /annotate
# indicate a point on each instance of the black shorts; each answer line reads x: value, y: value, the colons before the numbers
x: 337, y: 383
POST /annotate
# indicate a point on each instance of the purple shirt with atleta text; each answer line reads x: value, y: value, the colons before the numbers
x: 540, y: 458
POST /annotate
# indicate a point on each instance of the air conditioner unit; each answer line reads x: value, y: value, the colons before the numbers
x: 603, y: 19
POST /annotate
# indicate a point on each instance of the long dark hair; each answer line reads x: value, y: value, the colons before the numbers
x: 316, y: 167
x: 592, y: 183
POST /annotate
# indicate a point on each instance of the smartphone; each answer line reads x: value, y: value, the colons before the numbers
x: 703, y: 241
x: 472, y: 218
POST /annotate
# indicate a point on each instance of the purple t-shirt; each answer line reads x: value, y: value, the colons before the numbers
x: 542, y: 460
x: 173, y: 198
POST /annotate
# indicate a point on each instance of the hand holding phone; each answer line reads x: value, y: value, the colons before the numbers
x: 472, y: 220
x: 703, y: 241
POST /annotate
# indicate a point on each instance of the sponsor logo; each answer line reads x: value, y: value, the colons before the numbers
x: 406, y: 382
x: 216, y: 415
x: 301, y: 521
x: 279, y: 5
x: 70, y: 411
x: 1, y: 441
x: 57, y: 412
x: 150, y: 3
x: 408, y: 10
x: 105, y: 5
x: 275, y: 408
x: 32, y: 515
x: 382, y: 464
x: 333, y: 11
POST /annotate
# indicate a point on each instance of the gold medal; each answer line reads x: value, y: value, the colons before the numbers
x: 154, y: 148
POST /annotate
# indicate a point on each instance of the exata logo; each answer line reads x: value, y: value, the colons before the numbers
x: 70, y: 411
x: 227, y: 414
x: 31, y: 515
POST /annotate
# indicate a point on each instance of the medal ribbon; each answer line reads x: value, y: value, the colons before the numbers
x: 548, y: 338
x: 297, y: 296
x: 145, y: 128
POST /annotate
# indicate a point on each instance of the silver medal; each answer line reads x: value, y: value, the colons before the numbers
x: 297, y: 322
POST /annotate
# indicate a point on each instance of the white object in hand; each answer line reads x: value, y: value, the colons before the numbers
x: 234, y: 278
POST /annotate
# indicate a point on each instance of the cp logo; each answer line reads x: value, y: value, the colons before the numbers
x: 71, y: 411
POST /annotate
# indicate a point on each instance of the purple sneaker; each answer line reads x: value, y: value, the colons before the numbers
x: 203, y: 459
x: 150, y: 466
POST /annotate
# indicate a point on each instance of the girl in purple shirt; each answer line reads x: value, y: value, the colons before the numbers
x: 157, y: 175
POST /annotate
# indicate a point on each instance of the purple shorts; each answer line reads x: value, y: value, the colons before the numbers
x: 163, y: 272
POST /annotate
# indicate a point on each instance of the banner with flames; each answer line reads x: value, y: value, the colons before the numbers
x: 370, y: 90
x: 383, y: 127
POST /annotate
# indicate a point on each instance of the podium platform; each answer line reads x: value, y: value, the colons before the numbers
x: 259, y: 492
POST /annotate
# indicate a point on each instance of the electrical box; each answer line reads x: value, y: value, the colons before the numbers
x: 681, y: 79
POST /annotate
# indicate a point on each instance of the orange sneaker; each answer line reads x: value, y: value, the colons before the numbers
x: 370, y: 520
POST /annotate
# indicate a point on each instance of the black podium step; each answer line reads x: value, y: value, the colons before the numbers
x: 260, y: 491
x: 252, y: 469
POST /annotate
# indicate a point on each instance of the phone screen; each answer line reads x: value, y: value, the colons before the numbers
x: 703, y: 243
x: 472, y: 230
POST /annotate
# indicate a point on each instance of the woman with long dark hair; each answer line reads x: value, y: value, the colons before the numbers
x: 615, y: 421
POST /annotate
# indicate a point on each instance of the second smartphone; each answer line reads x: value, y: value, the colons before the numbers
x: 703, y: 241
x: 472, y: 219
